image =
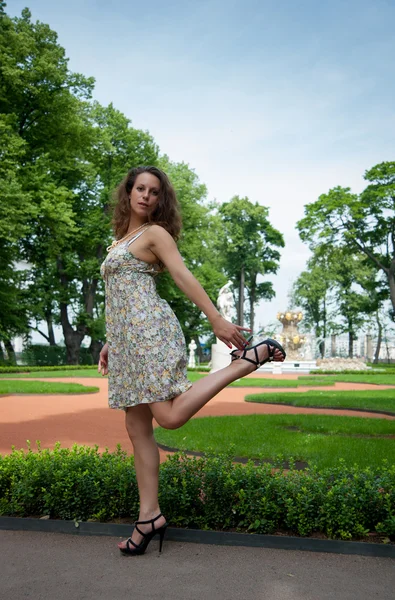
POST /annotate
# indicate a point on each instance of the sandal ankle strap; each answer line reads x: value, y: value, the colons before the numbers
x: 149, y: 521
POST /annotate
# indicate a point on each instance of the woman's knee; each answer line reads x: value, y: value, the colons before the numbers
x: 167, y: 420
x: 138, y: 421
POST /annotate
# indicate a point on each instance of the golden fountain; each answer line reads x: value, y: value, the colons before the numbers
x: 290, y: 337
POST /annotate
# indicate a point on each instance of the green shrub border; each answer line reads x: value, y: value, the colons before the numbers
x: 208, y: 493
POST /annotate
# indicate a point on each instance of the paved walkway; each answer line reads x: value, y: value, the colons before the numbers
x: 86, y: 419
x: 47, y: 566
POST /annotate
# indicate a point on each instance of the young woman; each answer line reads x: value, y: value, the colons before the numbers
x: 145, y: 353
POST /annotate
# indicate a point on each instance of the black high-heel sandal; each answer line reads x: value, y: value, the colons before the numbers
x: 271, y: 346
x: 233, y: 353
x: 147, y: 537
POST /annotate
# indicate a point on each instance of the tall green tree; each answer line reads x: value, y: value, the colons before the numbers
x: 15, y: 213
x: 249, y: 246
x: 363, y: 223
x: 312, y: 292
x: 338, y: 292
x: 349, y: 272
x: 74, y: 153
x: 42, y: 105
x: 116, y: 147
x: 64, y: 158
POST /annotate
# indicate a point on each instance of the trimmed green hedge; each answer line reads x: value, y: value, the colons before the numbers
x: 22, y: 369
x: 207, y: 493
x: 376, y: 371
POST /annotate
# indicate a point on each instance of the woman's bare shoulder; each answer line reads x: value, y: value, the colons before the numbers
x: 158, y: 232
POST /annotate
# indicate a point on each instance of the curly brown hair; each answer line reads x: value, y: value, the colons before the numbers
x: 167, y: 212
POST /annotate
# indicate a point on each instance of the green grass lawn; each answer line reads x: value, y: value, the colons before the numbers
x: 382, y: 365
x: 263, y: 382
x: 303, y: 380
x: 44, y: 387
x: 379, y: 379
x: 315, y: 439
x: 48, y: 374
x: 283, y: 383
x: 367, y: 400
x: 193, y: 375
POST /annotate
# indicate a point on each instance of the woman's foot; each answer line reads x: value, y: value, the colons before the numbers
x: 263, y: 354
x: 136, y: 537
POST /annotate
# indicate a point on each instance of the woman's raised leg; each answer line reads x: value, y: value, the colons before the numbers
x: 138, y: 421
x: 176, y: 412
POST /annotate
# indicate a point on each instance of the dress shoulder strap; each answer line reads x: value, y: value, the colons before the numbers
x: 135, y: 237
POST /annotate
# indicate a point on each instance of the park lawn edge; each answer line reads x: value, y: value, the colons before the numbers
x: 301, y: 399
x: 12, y: 387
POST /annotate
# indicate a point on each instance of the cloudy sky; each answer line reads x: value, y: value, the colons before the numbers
x: 275, y: 100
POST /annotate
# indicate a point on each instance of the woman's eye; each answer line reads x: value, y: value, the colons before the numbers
x: 139, y: 189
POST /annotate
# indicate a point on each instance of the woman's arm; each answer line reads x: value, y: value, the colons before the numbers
x: 164, y: 247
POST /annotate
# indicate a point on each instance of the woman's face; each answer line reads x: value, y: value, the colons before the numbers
x: 144, y: 196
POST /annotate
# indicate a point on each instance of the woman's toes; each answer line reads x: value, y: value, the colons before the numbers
x: 278, y: 355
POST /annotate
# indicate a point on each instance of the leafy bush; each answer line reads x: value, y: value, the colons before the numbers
x: 208, y: 493
x: 43, y: 355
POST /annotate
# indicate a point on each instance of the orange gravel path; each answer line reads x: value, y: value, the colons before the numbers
x: 86, y: 419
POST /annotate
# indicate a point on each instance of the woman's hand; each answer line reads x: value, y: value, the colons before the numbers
x: 229, y: 333
x: 103, y: 360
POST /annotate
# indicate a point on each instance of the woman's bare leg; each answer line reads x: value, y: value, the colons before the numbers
x: 176, y: 412
x: 138, y: 421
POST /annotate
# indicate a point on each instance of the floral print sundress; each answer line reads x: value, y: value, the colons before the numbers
x: 147, y: 356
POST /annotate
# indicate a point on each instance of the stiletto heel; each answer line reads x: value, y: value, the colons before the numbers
x: 147, y: 537
x: 162, y: 532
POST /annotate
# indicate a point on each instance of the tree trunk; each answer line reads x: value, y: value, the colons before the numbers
x: 379, y: 338
x: 51, y: 333
x: 322, y: 343
x: 72, y: 338
x: 95, y: 348
x: 387, y: 346
x: 333, y: 345
x: 350, y: 344
x: 241, y: 298
x: 2, y: 356
x: 252, y: 312
x: 10, y: 352
x: 391, y: 281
